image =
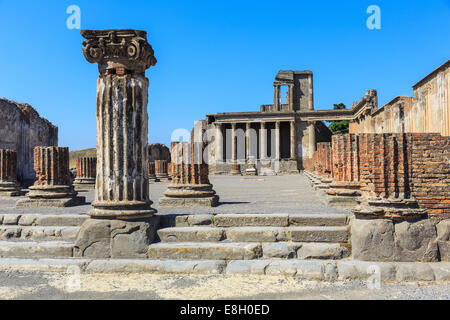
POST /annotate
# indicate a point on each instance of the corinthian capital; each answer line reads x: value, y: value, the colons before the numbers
x: 121, y: 50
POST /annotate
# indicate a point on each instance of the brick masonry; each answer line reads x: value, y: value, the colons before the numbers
x: 411, y: 165
x: 8, y: 165
x: 52, y: 166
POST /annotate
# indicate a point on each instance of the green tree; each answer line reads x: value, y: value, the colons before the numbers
x: 341, y: 126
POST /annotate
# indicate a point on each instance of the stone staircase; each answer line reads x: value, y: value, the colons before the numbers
x: 38, y: 235
x: 192, y: 237
x: 252, y: 236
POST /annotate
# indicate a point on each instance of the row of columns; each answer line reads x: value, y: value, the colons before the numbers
x: 262, y: 141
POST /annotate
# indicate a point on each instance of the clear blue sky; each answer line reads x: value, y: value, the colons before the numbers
x: 218, y: 56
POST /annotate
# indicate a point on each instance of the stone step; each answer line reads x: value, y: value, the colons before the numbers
x: 253, y: 220
x: 261, y: 220
x: 318, y: 234
x: 43, y: 220
x: 191, y: 234
x: 204, y: 251
x: 35, y: 249
x: 254, y: 234
x: 318, y: 219
x: 20, y: 233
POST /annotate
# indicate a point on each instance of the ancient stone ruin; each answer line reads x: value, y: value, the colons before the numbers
x: 8, y: 174
x: 151, y: 172
x: 22, y: 129
x: 190, y: 183
x: 121, y: 223
x: 162, y: 170
x: 86, y: 172
x: 53, y: 187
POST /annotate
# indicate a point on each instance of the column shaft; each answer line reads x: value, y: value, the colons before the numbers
x: 292, y: 140
x: 277, y: 140
x: 219, y: 143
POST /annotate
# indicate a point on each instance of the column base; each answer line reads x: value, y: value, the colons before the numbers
x: 121, y: 210
x: 235, y: 169
x: 84, y: 183
x: 48, y: 203
x: 251, y: 170
x: 51, y: 196
x: 187, y: 195
x: 390, y: 208
x: 115, y: 238
x: 10, y: 189
x: 163, y: 177
x: 343, y: 194
x: 153, y: 179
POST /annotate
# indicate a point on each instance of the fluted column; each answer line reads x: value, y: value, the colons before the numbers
x: 8, y: 173
x: 86, y: 172
x: 277, y: 140
x: 122, y: 121
x: 53, y: 187
x: 162, y: 169
x: 190, y: 184
x: 151, y: 172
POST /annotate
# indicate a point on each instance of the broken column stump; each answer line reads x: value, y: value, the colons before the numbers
x: 9, y: 187
x: 86, y: 172
x: 151, y: 172
x: 162, y: 170
x: 122, y: 222
x: 190, y: 185
x: 53, y: 187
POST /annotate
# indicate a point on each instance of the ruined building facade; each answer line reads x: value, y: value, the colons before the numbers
x: 280, y: 138
x: 22, y: 129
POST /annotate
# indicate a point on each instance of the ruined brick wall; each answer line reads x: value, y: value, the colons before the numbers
x: 322, y: 159
x: 22, y: 129
x: 187, y: 163
x: 345, y: 157
x: 430, y: 172
x: 411, y: 165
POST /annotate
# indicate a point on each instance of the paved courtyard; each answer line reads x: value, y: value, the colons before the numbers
x: 268, y: 194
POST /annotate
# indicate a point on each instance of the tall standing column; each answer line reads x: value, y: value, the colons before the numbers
x: 250, y: 151
x: 291, y: 97
x: 235, y: 167
x: 263, y: 142
x: 311, y: 139
x: 8, y: 174
x: 276, y: 98
x: 219, y: 143
x: 277, y: 140
x: 122, y: 121
x: 293, y: 140
x: 122, y: 223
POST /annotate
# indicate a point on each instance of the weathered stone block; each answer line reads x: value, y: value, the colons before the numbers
x: 372, y: 240
x: 414, y: 241
x: 443, y: 239
x: 322, y: 251
x: 280, y: 250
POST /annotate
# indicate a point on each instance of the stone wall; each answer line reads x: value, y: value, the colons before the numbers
x: 158, y: 151
x: 22, y: 129
x: 322, y: 159
x: 427, y: 111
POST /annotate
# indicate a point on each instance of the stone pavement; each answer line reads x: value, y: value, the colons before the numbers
x: 238, y: 194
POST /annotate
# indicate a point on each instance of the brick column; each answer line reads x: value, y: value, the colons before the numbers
x: 53, y: 187
x: 190, y: 184
x: 162, y: 170
x: 9, y: 186
x: 86, y: 172
x: 122, y: 224
x: 151, y: 172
